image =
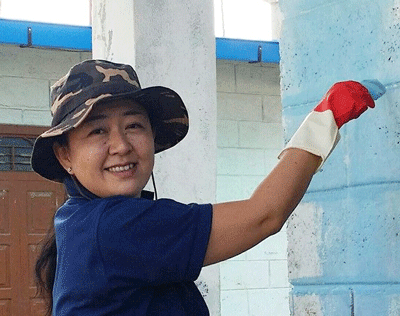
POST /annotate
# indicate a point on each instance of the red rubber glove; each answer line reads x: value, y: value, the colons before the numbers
x: 347, y: 100
x: 319, y: 132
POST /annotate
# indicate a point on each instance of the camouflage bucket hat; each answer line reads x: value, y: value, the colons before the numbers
x: 94, y: 81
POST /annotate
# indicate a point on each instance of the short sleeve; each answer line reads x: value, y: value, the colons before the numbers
x: 153, y: 242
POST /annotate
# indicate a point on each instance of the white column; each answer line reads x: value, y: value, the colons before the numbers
x: 172, y: 43
x: 113, y: 30
x: 276, y: 19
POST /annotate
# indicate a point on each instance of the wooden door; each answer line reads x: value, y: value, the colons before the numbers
x: 27, y: 206
x: 9, y: 247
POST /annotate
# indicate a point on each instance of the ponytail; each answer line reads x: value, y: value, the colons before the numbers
x: 45, y: 269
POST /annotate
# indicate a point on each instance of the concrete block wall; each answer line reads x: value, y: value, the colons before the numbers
x: 343, y: 239
x: 250, y: 137
x: 26, y: 75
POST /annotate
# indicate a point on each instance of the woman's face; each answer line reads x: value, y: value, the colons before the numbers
x: 112, y: 151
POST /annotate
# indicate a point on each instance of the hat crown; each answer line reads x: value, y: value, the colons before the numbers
x: 88, y: 81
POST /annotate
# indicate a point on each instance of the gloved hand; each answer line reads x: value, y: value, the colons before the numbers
x: 347, y: 100
x: 319, y: 132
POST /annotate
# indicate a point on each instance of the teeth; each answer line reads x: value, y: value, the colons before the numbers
x: 124, y: 168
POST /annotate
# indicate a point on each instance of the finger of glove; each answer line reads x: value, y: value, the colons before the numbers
x: 349, y: 114
x: 374, y: 87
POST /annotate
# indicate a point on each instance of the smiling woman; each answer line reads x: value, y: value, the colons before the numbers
x: 70, y: 12
x: 113, y: 251
x: 105, y: 132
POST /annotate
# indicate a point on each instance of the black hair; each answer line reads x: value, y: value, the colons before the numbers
x: 45, y: 267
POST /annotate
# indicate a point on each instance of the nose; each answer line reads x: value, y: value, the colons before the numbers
x: 119, y: 143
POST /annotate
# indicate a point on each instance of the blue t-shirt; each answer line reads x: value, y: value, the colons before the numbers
x: 130, y: 256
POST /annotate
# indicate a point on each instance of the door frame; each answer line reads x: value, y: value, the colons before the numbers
x: 22, y: 130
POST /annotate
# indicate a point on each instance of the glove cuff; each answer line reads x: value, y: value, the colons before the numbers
x: 318, y: 134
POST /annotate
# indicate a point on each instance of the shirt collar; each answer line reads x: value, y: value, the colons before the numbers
x: 76, y: 190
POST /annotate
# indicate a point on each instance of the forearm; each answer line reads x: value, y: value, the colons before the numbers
x: 279, y: 194
x: 239, y: 225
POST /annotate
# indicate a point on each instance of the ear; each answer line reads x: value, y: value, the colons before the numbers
x: 62, y: 155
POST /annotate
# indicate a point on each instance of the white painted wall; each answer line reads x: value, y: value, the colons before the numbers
x: 249, y: 139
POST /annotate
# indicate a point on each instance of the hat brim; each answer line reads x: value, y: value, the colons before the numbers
x: 166, y: 110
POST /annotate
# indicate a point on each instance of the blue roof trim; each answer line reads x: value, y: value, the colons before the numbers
x: 80, y: 38
x: 246, y: 50
x: 46, y: 35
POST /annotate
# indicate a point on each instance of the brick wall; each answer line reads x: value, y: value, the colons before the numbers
x: 250, y: 137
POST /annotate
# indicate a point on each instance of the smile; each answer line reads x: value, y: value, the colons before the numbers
x: 122, y: 168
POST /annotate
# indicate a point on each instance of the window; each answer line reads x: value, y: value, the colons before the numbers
x: 16, y: 153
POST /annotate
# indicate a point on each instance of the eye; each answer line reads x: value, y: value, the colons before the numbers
x: 97, y: 131
x: 135, y: 125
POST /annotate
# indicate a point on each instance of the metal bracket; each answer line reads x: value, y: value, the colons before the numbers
x: 29, y: 30
x: 259, y: 56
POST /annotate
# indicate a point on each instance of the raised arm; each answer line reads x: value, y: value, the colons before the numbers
x: 237, y: 226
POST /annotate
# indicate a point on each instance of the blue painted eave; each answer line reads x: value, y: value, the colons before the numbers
x: 79, y: 38
x: 246, y: 50
x: 46, y: 35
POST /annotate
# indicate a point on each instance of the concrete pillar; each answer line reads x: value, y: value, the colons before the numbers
x: 172, y: 43
x: 344, y: 238
x: 113, y: 36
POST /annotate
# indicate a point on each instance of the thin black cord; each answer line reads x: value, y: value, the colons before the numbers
x: 154, y: 185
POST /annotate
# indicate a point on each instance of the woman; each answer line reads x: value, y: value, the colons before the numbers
x: 114, y: 251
